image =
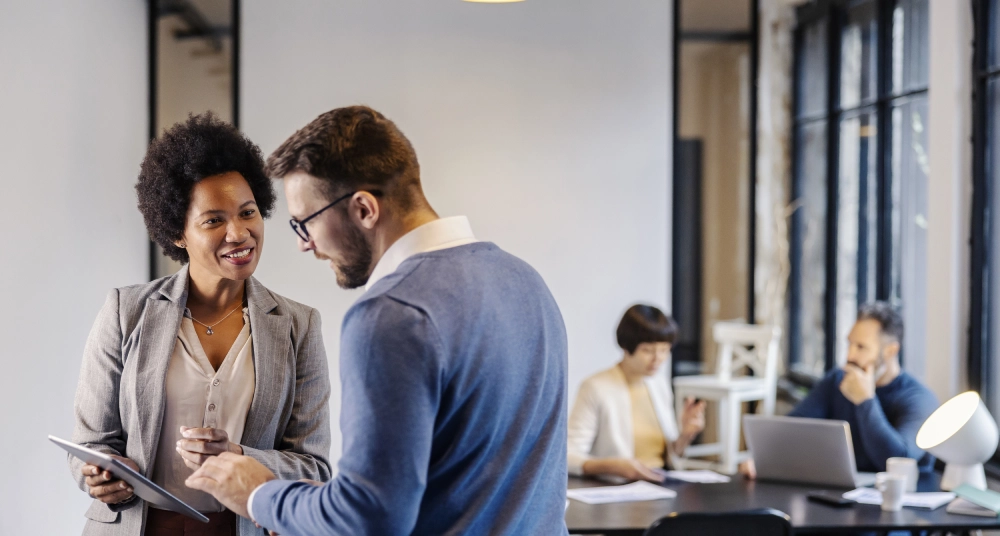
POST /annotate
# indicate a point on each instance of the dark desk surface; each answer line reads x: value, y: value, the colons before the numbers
x: 740, y: 494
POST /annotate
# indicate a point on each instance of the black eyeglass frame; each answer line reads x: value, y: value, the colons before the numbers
x: 299, y: 226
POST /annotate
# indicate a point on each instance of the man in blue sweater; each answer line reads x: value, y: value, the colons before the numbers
x: 884, y: 405
x: 452, y: 363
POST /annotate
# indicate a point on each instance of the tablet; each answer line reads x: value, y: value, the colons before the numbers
x: 143, y: 487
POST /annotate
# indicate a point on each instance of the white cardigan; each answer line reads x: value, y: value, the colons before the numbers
x: 600, y: 424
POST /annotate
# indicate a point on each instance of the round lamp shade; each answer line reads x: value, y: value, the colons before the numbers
x: 961, y: 431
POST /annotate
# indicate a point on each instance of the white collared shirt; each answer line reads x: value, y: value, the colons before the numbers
x: 439, y: 234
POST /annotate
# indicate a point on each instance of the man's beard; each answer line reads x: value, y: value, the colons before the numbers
x: 879, y: 366
x: 354, y: 272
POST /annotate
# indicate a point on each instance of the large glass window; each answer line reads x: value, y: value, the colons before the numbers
x: 807, y: 327
x: 860, y: 174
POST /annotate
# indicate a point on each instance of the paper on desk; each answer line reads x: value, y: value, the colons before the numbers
x: 928, y: 501
x: 702, y: 476
x: 636, y: 491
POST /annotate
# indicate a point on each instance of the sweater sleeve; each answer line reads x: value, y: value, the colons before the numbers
x: 883, y: 439
x: 391, y: 377
x: 816, y: 405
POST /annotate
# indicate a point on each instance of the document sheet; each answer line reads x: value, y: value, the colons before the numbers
x: 930, y: 501
x: 636, y: 491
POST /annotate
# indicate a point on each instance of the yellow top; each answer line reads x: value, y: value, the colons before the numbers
x: 650, y: 445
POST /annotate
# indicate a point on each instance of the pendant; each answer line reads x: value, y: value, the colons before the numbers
x: 208, y: 331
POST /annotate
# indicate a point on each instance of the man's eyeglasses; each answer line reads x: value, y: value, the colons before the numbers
x: 299, y: 226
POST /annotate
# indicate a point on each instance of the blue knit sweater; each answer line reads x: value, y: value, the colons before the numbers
x: 453, y: 374
x: 882, y: 427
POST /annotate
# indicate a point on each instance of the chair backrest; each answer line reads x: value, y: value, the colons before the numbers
x: 761, y: 522
x: 747, y: 345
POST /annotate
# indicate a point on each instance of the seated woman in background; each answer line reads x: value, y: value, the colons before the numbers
x: 622, y: 423
x: 205, y: 361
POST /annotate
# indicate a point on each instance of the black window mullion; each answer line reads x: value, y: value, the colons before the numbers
x: 795, y: 229
x: 752, y: 162
x: 835, y: 23
x: 883, y: 268
x: 152, y: 48
x: 979, y: 334
x: 864, y: 201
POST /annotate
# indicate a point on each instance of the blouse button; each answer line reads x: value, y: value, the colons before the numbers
x: 211, y: 407
x: 216, y: 382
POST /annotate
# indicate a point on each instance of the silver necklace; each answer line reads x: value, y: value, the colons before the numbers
x: 208, y: 330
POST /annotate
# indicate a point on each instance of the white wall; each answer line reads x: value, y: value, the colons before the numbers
x: 73, y: 131
x: 949, y: 195
x: 546, y: 122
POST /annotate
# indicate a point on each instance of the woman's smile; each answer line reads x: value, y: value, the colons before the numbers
x: 241, y: 256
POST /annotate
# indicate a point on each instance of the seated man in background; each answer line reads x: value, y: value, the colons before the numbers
x: 623, y: 422
x: 884, y: 405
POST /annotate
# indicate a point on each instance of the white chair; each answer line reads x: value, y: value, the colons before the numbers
x: 740, y: 346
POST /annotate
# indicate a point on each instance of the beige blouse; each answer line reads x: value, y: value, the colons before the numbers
x: 650, y: 445
x: 199, y: 396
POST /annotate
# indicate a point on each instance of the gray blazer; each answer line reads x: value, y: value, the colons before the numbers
x: 120, y: 398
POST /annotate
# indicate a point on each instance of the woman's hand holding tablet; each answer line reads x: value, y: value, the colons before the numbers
x: 105, y: 486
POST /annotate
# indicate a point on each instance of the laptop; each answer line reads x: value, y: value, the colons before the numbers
x: 808, y: 451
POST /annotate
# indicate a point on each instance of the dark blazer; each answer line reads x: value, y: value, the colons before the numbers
x: 120, y: 398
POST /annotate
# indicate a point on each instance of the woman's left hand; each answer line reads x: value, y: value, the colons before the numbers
x: 199, y: 444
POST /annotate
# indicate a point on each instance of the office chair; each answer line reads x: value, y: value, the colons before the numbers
x: 760, y: 522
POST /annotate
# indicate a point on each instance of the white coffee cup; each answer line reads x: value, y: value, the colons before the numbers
x: 892, y: 487
x: 906, y: 467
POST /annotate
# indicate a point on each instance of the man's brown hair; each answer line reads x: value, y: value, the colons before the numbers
x: 350, y: 149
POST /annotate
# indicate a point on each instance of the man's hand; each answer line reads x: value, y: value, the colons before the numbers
x: 230, y: 478
x: 858, y: 384
x: 199, y: 444
x: 748, y: 469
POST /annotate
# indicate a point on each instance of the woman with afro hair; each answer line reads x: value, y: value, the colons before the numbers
x: 205, y: 361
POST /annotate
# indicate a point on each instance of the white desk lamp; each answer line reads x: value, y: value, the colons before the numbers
x: 964, y: 435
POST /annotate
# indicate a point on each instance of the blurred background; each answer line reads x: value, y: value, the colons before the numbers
x: 770, y: 161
